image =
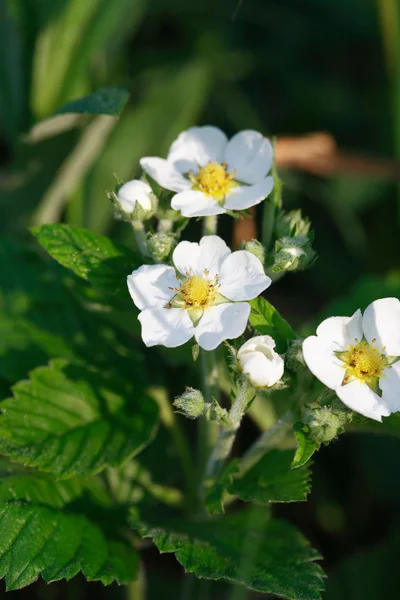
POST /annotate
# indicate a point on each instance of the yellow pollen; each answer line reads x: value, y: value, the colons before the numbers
x: 196, y: 291
x: 214, y: 180
x: 365, y: 362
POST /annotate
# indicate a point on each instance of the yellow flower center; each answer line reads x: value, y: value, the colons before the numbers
x: 214, y: 180
x: 196, y: 291
x: 363, y: 361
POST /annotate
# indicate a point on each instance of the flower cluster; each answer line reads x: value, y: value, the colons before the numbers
x: 202, y: 290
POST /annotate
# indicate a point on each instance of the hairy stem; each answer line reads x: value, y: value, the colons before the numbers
x: 140, y: 236
x: 164, y: 226
x: 210, y: 225
x: 208, y: 430
x: 227, y: 436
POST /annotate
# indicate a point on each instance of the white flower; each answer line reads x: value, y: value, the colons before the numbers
x: 258, y: 360
x: 358, y: 358
x: 135, y: 191
x: 204, y: 296
x: 210, y: 174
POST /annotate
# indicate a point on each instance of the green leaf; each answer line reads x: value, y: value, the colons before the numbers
x: 266, y: 320
x: 215, y: 495
x: 271, y: 479
x: 266, y: 555
x: 69, y: 420
x: 93, y: 257
x: 22, y: 483
x: 107, y: 101
x: 37, y: 540
x: 306, y: 447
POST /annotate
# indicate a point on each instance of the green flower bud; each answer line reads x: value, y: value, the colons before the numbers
x: 190, y: 403
x: 291, y: 224
x: 255, y: 247
x: 293, y: 253
x: 161, y: 245
x: 324, y: 424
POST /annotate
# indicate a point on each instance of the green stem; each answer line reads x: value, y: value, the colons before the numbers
x: 140, y: 236
x: 164, y: 226
x: 136, y: 590
x: 210, y: 225
x: 208, y: 430
x: 227, y: 436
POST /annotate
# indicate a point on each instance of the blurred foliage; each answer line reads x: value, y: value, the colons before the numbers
x: 281, y: 66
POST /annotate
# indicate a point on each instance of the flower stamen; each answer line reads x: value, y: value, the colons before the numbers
x: 214, y: 180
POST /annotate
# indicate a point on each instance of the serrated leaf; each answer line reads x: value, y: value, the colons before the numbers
x: 266, y: 320
x: 91, y: 256
x: 266, y: 555
x: 69, y: 420
x: 36, y: 540
x: 306, y: 447
x: 107, y: 101
x: 271, y: 479
x: 22, y: 483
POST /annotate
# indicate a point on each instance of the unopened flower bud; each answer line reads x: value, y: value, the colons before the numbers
x: 161, y: 245
x: 134, y: 201
x: 324, y: 424
x: 255, y: 247
x: 293, y: 253
x: 291, y: 224
x: 260, y: 363
x: 190, y: 403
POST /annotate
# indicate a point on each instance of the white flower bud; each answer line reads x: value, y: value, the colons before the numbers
x: 258, y: 360
x: 135, y: 192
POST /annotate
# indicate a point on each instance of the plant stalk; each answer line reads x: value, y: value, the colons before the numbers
x: 140, y: 237
x: 227, y: 436
x: 210, y: 225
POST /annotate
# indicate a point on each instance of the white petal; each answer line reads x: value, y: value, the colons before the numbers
x: 390, y: 386
x: 165, y: 173
x: 242, y: 197
x: 213, y: 252
x: 149, y: 285
x: 185, y: 256
x: 222, y: 322
x: 250, y: 155
x: 170, y: 327
x: 359, y: 397
x: 261, y: 371
x: 242, y: 276
x: 382, y: 321
x: 209, y: 254
x: 322, y: 362
x: 192, y: 203
x: 341, y: 330
x: 197, y: 146
x: 255, y: 341
x: 132, y: 192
